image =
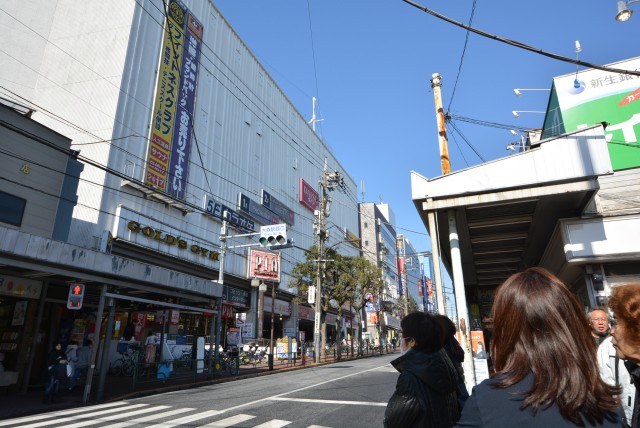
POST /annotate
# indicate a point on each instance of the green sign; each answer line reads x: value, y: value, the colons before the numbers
x: 596, y: 96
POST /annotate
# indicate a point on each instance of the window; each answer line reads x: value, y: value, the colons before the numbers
x: 11, y: 209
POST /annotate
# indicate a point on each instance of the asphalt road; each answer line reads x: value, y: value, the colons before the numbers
x: 350, y: 394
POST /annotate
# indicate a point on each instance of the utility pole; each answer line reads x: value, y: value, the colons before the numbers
x: 456, y: 262
x: 330, y: 181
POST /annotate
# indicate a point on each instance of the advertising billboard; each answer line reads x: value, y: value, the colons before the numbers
x: 172, y: 120
x: 589, y: 97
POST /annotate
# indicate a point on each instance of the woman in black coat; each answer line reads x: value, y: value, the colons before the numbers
x: 56, y: 363
x: 425, y: 394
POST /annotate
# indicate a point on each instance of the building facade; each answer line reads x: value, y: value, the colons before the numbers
x: 175, y: 122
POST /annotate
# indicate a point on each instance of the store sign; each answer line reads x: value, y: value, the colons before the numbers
x: 159, y: 236
x: 258, y: 211
x: 305, y: 313
x: 308, y: 196
x: 595, y: 96
x: 278, y: 207
x: 227, y: 312
x: 280, y: 306
x: 235, y: 297
x: 171, y: 124
x: 20, y: 287
x: 264, y: 265
x: 235, y: 219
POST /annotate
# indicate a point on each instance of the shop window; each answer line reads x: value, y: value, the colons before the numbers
x: 11, y: 209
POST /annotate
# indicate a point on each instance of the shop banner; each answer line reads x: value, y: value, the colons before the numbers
x: 235, y: 297
x: 280, y: 306
x: 308, y: 196
x: 305, y: 313
x: 20, y: 287
x: 264, y: 265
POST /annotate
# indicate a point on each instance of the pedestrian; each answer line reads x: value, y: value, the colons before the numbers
x: 599, y: 322
x: 545, y: 362
x: 425, y: 394
x: 455, y: 353
x: 625, y: 304
x: 72, y: 358
x: 614, y: 372
x: 150, y: 349
x: 82, y: 365
x: 56, y: 371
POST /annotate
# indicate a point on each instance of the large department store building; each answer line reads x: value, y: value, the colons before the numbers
x: 171, y: 121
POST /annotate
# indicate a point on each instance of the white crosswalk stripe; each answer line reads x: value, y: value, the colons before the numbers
x: 186, y: 419
x: 122, y: 413
x: 273, y: 423
x: 96, y: 421
x: 59, y: 413
x: 150, y: 418
x: 85, y: 415
x: 227, y: 422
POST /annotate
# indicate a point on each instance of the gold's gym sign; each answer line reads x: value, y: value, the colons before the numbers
x: 160, y: 236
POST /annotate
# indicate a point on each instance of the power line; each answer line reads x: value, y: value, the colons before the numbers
x: 521, y: 45
x: 464, y: 49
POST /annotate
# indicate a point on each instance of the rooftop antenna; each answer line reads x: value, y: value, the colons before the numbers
x: 313, y: 115
x: 380, y: 197
x: 362, y: 189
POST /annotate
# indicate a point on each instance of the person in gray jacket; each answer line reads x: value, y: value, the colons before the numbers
x: 82, y: 364
x: 613, y: 371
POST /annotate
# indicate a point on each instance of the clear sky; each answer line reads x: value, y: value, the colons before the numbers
x: 369, y: 63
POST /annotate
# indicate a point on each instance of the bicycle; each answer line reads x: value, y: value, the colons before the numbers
x: 125, y: 365
x: 228, y: 363
x: 184, y: 360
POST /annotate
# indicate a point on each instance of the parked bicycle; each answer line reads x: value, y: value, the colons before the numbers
x: 130, y: 356
x: 184, y: 359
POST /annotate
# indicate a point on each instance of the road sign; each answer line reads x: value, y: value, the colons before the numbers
x: 76, y: 296
x: 273, y: 234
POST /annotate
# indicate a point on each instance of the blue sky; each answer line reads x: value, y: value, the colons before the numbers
x: 369, y: 63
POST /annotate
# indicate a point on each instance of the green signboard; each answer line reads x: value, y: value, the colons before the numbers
x: 595, y: 96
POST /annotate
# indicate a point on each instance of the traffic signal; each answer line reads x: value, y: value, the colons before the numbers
x: 76, y: 295
x: 274, y: 234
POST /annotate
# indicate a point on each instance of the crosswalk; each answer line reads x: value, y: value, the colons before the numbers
x: 124, y: 414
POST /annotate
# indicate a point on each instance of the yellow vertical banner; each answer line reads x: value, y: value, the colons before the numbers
x: 164, y: 111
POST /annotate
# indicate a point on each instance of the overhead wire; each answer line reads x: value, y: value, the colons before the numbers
x: 464, y: 49
x: 520, y: 44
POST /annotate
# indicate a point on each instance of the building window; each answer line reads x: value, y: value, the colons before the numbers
x: 366, y: 224
x: 11, y: 209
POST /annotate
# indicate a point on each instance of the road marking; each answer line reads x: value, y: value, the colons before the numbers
x: 186, y: 419
x: 115, y: 417
x: 227, y: 422
x: 274, y: 423
x: 91, y: 414
x: 314, y: 400
x: 150, y: 418
x: 317, y: 426
x: 59, y: 413
x: 251, y: 403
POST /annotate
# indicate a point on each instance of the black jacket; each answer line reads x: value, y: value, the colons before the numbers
x: 425, y: 394
x: 634, y: 371
x: 490, y: 407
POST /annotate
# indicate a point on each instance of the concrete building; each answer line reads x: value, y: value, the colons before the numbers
x: 176, y: 122
x: 378, y: 235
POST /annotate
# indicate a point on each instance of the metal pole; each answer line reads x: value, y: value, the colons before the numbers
x: 223, y: 246
x: 212, y: 333
x: 435, y: 259
x: 105, y: 352
x: 273, y: 306
x: 436, y: 84
x: 94, y: 346
x: 461, y: 301
x: 260, y: 311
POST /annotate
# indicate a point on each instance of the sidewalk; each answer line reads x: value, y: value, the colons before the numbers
x: 15, y: 405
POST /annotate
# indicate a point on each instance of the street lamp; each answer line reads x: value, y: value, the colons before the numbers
x: 262, y: 287
x: 518, y: 92
x: 624, y: 13
x: 516, y: 113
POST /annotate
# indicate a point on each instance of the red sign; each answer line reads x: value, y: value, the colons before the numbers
x: 227, y: 311
x: 308, y: 196
x: 264, y: 265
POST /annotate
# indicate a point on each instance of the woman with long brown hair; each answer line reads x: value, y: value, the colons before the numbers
x: 545, y: 361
